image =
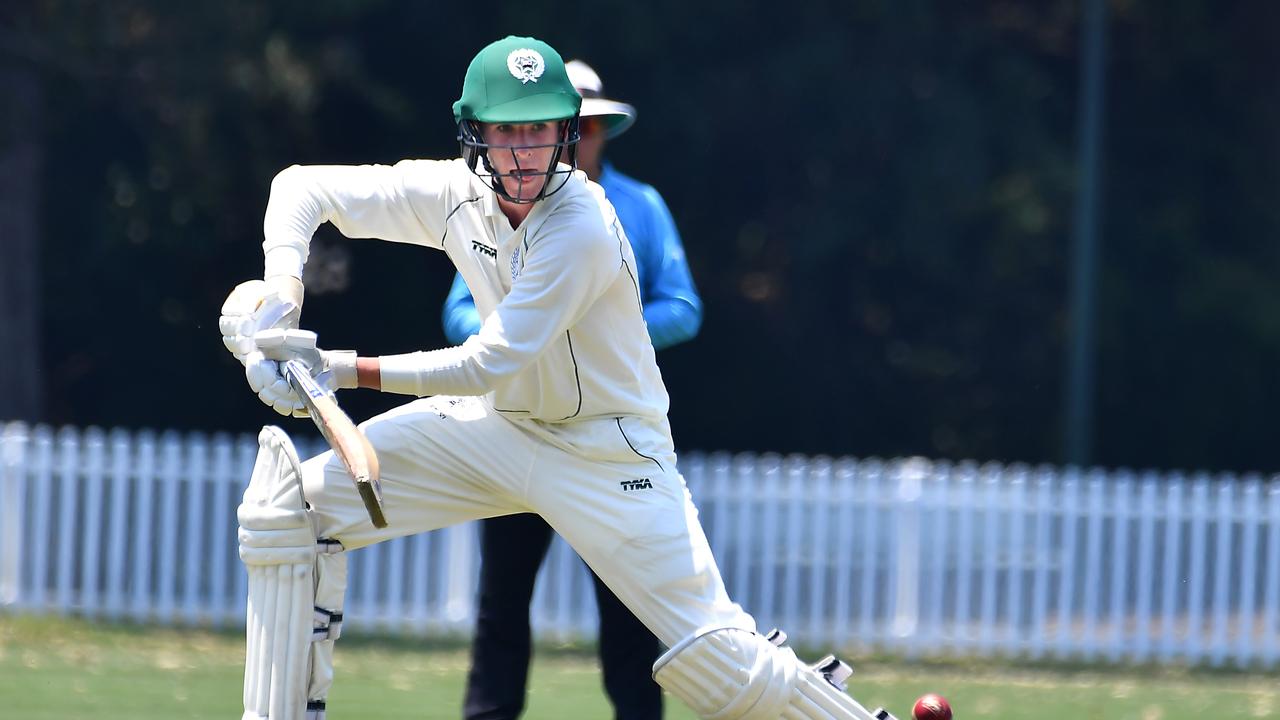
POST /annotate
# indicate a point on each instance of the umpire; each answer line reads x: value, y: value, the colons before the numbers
x: 512, y: 547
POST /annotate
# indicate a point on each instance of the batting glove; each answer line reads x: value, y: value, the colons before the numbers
x: 259, y: 305
x: 266, y: 380
x: 332, y: 369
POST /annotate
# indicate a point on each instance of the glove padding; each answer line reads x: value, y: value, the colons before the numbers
x: 266, y: 379
x: 332, y: 369
x: 258, y: 305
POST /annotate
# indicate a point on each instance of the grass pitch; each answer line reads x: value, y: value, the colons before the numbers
x: 60, y: 669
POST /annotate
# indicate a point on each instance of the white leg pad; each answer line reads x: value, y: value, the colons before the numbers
x: 296, y: 588
x: 733, y: 674
x: 815, y: 697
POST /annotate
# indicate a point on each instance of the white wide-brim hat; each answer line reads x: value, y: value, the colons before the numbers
x: 617, y: 116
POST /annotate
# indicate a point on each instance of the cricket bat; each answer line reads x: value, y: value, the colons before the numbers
x: 348, y: 443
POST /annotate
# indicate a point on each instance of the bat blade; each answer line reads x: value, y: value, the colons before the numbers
x: 348, y: 443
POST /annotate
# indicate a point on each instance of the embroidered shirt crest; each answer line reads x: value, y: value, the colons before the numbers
x: 515, y: 263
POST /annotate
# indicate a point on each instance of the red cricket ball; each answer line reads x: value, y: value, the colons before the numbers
x: 931, y: 707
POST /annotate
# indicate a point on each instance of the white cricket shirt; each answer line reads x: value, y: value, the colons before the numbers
x: 563, y: 337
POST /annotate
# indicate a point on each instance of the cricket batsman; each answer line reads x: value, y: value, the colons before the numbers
x: 554, y: 407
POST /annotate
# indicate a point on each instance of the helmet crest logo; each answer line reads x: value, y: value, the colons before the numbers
x: 525, y: 65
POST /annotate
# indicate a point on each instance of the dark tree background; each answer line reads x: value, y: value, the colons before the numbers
x: 876, y: 198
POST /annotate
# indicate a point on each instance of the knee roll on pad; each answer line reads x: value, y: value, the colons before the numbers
x: 734, y: 674
x: 296, y: 589
x: 728, y: 674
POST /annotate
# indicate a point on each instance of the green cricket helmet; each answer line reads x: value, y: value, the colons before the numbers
x: 517, y: 80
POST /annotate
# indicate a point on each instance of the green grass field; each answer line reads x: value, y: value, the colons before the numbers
x: 57, y: 669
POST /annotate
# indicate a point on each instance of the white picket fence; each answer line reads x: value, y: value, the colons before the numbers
x: 906, y: 556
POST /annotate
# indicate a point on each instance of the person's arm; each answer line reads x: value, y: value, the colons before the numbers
x: 460, y: 318
x: 368, y: 373
x: 405, y: 203
x: 562, y: 274
x: 401, y: 203
x: 672, y: 307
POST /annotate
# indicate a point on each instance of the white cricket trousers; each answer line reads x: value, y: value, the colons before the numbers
x: 608, y: 486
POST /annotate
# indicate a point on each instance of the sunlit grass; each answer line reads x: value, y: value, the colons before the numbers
x: 66, y: 669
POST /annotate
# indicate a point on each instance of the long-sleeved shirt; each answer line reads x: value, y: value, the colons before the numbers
x: 672, y: 308
x: 563, y: 337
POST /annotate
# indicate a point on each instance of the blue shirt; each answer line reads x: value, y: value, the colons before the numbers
x: 672, y: 308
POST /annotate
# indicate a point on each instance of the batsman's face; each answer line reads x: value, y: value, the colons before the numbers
x: 521, y: 154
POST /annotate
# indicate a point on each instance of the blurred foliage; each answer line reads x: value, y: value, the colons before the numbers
x: 876, y: 198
